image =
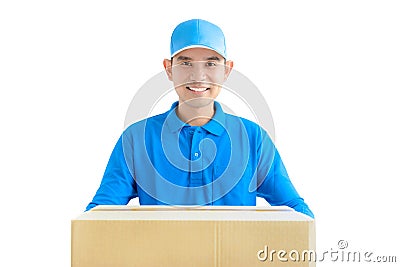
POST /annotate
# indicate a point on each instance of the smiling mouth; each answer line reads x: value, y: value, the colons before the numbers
x: 197, y: 89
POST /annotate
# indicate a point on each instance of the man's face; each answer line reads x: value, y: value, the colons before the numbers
x: 198, y: 75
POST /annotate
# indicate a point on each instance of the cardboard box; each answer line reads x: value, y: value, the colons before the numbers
x: 128, y: 236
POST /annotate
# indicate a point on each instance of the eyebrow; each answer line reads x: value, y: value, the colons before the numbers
x: 214, y: 58
x: 184, y: 58
x: 189, y: 58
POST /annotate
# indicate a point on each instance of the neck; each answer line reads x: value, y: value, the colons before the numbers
x: 195, y: 116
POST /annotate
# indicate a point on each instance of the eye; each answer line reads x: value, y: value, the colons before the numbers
x: 211, y: 64
x: 186, y: 63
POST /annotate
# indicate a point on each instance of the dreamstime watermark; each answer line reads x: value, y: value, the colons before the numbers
x: 339, y: 254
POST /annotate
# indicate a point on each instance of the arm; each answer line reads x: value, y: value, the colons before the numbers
x: 274, y: 182
x: 117, y: 186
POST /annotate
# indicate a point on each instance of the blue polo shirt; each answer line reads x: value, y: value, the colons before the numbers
x: 228, y: 161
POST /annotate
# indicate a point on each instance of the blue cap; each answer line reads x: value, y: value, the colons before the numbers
x: 197, y: 33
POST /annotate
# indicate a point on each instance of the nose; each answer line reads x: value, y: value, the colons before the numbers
x: 198, y: 72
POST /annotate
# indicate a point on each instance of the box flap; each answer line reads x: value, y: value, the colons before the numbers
x: 188, y: 208
x: 197, y: 213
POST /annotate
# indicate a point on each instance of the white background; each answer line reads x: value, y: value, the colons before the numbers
x: 329, y: 71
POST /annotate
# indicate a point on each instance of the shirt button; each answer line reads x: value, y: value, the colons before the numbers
x: 196, y: 154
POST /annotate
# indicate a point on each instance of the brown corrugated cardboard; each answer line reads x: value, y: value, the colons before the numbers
x: 126, y: 236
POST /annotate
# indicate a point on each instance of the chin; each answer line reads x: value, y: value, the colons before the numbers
x: 199, y: 102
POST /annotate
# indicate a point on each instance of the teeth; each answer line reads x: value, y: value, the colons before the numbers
x: 198, y: 89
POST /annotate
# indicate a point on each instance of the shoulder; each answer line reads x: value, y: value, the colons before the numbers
x: 254, y: 132
x: 151, y: 123
x: 251, y: 126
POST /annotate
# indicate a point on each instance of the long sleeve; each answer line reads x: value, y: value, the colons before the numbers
x: 274, y: 182
x: 117, y: 186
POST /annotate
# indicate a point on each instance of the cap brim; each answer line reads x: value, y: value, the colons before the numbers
x: 196, y: 46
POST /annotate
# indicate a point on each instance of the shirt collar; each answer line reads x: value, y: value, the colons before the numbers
x: 215, y: 126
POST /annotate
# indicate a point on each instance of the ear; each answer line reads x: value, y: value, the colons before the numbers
x: 228, y: 69
x: 168, y: 68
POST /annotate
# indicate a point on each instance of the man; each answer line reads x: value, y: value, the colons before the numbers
x: 195, y: 153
